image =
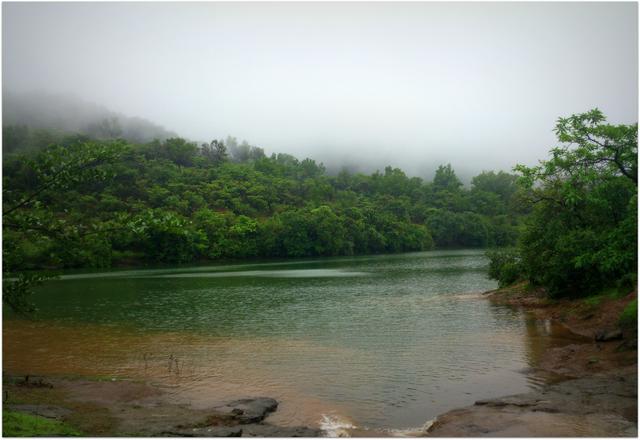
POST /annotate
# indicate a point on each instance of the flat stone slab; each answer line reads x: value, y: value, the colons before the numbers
x: 266, y: 430
x: 252, y: 430
x: 247, y: 411
x: 209, y: 431
x: 587, y: 407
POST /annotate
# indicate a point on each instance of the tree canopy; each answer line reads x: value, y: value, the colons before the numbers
x: 175, y: 201
x: 581, y: 235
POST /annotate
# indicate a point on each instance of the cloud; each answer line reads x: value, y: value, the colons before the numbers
x: 413, y: 85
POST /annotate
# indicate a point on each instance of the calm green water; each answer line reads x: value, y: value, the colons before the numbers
x: 384, y: 341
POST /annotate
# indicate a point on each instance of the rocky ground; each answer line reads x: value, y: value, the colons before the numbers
x: 132, y: 409
x: 598, y: 396
x: 586, y: 407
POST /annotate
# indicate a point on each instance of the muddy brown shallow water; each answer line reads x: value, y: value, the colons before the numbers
x: 115, y: 352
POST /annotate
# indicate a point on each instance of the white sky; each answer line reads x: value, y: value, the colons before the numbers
x: 413, y: 85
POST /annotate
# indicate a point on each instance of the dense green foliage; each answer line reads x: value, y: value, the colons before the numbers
x: 17, y: 424
x: 86, y: 203
x: 72, y: 201
x: 505, y: 266
x: 581, y: 236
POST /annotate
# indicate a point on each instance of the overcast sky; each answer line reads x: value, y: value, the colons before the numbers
x: 410, y: 84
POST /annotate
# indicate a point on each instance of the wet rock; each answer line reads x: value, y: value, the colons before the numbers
x: 266, y: 430
x: 246, y: 411
x: 518, y: 400
x: 34, y: 382
x: 49, y: 411
x: 251, y: 430
x: 242, y: 418
x: 209, y: 431
x: 494, y: 402
x: 595, y: 406
x: 603, y: 335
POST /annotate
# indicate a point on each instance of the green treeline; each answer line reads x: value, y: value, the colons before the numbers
x: 73, y: 201
x: 568, y: 224
x: 581, y: 236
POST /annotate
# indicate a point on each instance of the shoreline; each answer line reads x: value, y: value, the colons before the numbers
x: 595, y: 394
x: 592, y: 392
x: 114, y: 408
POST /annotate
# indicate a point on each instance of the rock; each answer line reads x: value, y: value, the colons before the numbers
x: 242, y: 418
x: 209, y: 431
x: 251, y: 430
x: 603, y: 335
x: 246, y: 411
x: 594, y: 406
x: 266, y: 430
x: 49, y: 411
x: 31, y: 382
x: 517, y: 400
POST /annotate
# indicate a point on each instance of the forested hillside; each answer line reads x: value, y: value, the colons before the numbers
x: 34, y: 120
x: 82, y: 202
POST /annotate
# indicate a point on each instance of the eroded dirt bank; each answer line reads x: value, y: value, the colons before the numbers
x: 596, y: 390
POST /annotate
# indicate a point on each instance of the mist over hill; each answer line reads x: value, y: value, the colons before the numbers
x: 69, y: 113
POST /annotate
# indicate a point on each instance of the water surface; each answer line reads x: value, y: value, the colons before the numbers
x: 382, y: 341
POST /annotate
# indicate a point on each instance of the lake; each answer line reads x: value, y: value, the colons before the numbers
x: 379, y: 342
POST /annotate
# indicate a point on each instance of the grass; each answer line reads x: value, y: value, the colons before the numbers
x: 17, y: 424
x: 610, y: 293
x: 629, y: 316
x: 89, y: 418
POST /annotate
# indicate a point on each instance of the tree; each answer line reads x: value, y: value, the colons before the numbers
x: 27, y: 212
x: 215, y: 151
x: 106, y: 128
x: 585, y: 202
x: 14, y: 138
x: 504, y: 185
x: 446, y: 179
x: 179, y: 151
x: 171, y: 201
x: 169, y: 237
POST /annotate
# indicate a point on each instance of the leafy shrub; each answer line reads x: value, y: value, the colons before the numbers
x: 505, y: 266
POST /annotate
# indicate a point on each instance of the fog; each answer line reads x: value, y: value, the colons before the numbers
x: 412, y: 85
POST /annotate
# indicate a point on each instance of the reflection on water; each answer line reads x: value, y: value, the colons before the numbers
x: 304, y: 273
x: 385, y: 341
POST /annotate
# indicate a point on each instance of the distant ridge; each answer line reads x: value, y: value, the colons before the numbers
x: 69, y: 113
